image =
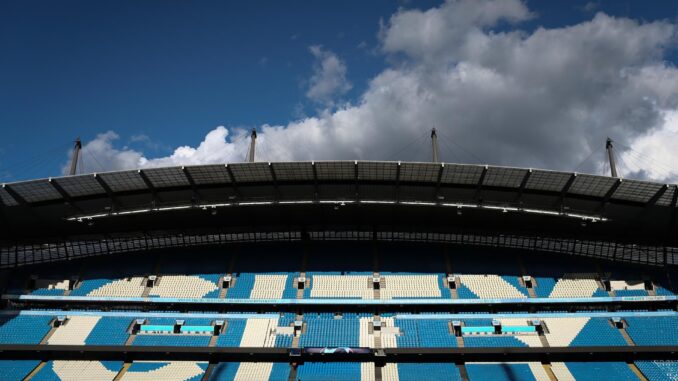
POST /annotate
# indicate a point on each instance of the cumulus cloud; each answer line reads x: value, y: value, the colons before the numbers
x: 653, y: 155
x: 545, y: 98
x: 329, y: 77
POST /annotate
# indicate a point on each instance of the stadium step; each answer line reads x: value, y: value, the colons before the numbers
x: 375, y: 334
x: 208, y: 371
x: 626, y: 337
x: 295, y: 338
x: 463, y: 372
x: 377, y: 291
x: 637, y: 371
x: 147, y: 289
x: 49, y: 334
x: 35, y: 371
x: 531, y: 292
x: 460, y: 342
x: 549, y: 372
x: 130, y: 339
x: 300, y: 292
x: 122, y: 371
x: 293, y: 373
x: 544, y: 342
x: 224, y: 290
x: 377, y: 373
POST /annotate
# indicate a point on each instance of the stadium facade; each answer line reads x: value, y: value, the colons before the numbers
x: 341, y: 270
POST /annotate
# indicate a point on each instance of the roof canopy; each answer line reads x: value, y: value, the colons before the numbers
x: 400, y: 195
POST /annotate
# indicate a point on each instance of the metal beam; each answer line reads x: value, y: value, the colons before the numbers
x: 108, y: 190
x: 20, y: 200
x: 609, y: 194
x: 653, y: 200
x: 194, y: 188
x: 276, y: 189
x: 566, y: 188
x: 397, y: 187
x: 479, y: 186
x: 438, y: 182
x: 315, y: 182
x: 674, y: 211
x: 149, y: 185
x: 523, y: 183
x: 64, y: 194
x: 300, y: 355
x: 233, y: 182
x: 355, y: 178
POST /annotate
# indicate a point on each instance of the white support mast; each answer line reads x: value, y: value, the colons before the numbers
x: 610, y: 156
x: 434, y: 144
x: 253, y: 143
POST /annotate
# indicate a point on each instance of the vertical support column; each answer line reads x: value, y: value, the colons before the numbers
x: 253, y: 144
x: 74, y: 158
x: 434, y: 145
x: 610, y: 156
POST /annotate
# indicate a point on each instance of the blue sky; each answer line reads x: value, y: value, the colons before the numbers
x: 164, y: 74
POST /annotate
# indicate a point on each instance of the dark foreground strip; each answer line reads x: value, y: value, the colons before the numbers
x: 457, y: 355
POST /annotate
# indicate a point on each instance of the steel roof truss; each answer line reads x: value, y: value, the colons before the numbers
x: 523, y: 183
x: 479, y: 186
x: 194, y: 188
x: 657, y: 195
x: 15, y: 195
x: 64, y: 194
x: 276, y: 190
x: 151, y: 188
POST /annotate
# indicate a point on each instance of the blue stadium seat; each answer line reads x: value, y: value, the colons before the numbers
x: 172, y: 340
x: 332, y: 371
x: 617, y: 371
x: 500, y: 372
x: 544, y: 286
x: 653, y: 331
x: 243, y: 286
x: 481, y: 341
x: 24, y: 329
x: 661, y: 291
x: 109, y: 331
x: 598, y: 331
x: 432, y: 372
x: 232, y: 336
x: 323, y: 330
x: 621, y: 293
x: 47, y: 292
x: 226, y: 371
x: 659, y: 370
x: 424, y: 333
x: 16, y: 370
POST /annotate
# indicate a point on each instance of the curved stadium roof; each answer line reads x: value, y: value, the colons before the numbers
x: 360, y: 197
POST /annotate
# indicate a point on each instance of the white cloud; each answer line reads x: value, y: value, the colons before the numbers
x: 654, y: 155
x: 329, y: 77
x: 545, y: 98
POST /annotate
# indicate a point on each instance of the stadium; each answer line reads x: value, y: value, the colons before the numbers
x: 338, y: 270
